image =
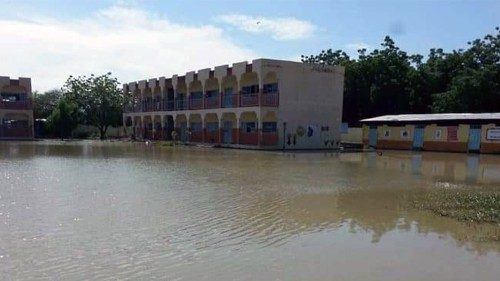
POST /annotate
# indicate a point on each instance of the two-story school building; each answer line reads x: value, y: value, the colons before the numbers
x: 16, y: 110
x: 453, y: 132
x: 270, y: 104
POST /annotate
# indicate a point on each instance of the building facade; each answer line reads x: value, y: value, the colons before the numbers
x: 452, y: 132
x: 263, y: 104
x: 16, y: 110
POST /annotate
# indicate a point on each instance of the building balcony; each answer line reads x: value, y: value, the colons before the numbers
x: 181, y: 104
x: 195, y: 103
x: 249, y: 100
x: 19, y: 105
x: 269, y: 99
x: 214, y: 102
x: 230, y: 101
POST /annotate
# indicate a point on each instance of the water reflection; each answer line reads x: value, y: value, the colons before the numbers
x: 455, y: 167
x: 131, y: 211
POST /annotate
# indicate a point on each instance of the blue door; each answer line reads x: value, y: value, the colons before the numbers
x: 474, y: 138
x: 227, y: 132
x: 228, y: 97
x: 418, y: 138
x: 372, y: 136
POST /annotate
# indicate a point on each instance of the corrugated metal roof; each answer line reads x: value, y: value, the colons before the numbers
x: 434, y: 117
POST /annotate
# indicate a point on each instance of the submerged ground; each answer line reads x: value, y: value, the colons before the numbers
x: 92, y: 210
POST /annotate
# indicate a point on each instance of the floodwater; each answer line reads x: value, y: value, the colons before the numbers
x: 128, y: 211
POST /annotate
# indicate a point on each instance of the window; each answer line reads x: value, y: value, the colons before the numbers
x: 269, y: 127
x: 248, y: 127
x: 249, y: 90
x: 212, y: 94
x: 270, y: 88
x: 196, y: 95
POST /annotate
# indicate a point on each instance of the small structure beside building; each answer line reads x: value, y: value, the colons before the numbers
x: 16, y: 110
x: 271, y: 104
x: 453, y: 132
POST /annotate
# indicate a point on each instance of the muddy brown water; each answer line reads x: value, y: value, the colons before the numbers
x: 128, y: 211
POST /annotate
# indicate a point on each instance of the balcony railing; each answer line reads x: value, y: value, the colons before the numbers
x: 196, y: 103
x: 230, y: 101
x: 169, y: 105
x: 181, y: 104
x: 249, y: 99
x: 213, y: 102
x: 269, y: 99
x: 16, y: 104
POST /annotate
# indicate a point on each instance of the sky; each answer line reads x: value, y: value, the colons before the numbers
x: 135, y: 40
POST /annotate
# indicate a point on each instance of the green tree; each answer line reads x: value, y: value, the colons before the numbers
x: 389, y: 81
x: 45, y: 103
x: 98, y: 98
x: 63, y: 119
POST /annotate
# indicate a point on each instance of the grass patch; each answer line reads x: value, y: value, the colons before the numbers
x: 471, y: 205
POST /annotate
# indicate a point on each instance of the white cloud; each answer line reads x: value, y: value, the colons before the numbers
x: 131, y: 43
x: 279, y: 28
x: 357, y: 46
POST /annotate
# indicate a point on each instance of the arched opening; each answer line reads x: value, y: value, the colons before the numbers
x: 229, y: 91
x: 169, y: 127
x: 181, y: 95
x: 138, y: 131
x: 136, y: 100
x: 157, y: 98
x: 169, y: 96
x: 249, y: 128
x: 147, y: 99
x: 195, y: 128
x: 229, y: 129
x: 212, y: 95
x: 158, y: 133
x: 195, y: 95
x: 270, y: 128
x: 212, y: 128
x: 148, y: 128
x: 181, y: 127
x: 270, y: 91
x: 249, y: 89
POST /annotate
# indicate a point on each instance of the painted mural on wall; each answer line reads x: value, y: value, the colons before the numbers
x: 438, y: 134
x: 311, y: 133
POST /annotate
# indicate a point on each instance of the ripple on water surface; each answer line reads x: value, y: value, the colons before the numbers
x: 108, y: 211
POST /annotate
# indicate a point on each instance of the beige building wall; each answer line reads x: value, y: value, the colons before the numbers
x: 307, y: 116
x: 14, y: 112
x: 354, y: 135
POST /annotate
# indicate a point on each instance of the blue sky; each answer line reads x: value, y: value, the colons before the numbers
x: 144, y: 39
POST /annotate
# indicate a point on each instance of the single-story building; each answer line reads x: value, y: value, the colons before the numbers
x: 453, y: 132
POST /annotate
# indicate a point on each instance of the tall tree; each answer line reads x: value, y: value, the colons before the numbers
x: 98, y: 98
x: 45, y: 103
x: 63, y: 119
x: 389, y: 81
